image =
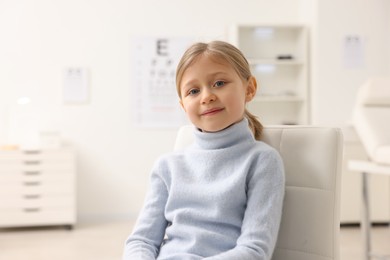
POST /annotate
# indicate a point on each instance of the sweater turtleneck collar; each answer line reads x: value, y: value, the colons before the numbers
x: 234, y: 134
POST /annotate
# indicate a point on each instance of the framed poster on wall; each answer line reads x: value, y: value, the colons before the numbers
x: 75, y: 85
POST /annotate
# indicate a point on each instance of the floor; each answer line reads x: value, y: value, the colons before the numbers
x: 104, y: 241
x: 351, y: 242
x: 98, y: 241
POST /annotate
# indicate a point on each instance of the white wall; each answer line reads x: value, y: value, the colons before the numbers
x: 40, y: 38
x: 387, y: 33
x: 334, y: 85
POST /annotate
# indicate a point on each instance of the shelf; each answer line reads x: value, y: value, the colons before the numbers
x: 279, y: 99
x: 284, y: 92
x: 275, y: 62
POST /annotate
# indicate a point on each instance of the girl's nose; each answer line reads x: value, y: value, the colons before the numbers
x: 208, y: 96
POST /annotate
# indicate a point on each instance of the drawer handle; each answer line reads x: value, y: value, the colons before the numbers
x: 32, y: 152
x: 32, y: 172
x: 32, y: 196
x: 31, y: 162
x: 31, y: 210
x: 32, y: 183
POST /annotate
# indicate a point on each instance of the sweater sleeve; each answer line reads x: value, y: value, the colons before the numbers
x: 145, y: 241
x: 265, y: 193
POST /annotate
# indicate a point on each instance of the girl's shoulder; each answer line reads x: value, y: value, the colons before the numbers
x: 263, y: 153
x: 268, y: 163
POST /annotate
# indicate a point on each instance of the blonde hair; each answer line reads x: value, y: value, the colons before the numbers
x: 231, y: 55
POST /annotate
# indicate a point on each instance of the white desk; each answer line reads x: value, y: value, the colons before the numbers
x: 367, y: 167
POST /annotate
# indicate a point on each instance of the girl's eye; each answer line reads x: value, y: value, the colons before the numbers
x: 219, y: 83
x: 193, y: 91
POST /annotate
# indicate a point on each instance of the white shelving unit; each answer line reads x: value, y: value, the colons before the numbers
x: 278, y: 55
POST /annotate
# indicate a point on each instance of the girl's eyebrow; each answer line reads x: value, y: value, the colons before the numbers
x: 211, y: 75
x: 189, y: 83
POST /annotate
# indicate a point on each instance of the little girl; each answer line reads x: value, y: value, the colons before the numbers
x: 220, y: 198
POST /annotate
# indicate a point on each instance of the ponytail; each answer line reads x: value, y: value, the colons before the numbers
x: 254, y: 124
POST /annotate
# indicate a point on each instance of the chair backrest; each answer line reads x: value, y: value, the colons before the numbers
x: 371, y: 116
x: 312, y: 158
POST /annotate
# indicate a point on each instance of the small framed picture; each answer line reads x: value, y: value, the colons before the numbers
x: 75, y: 89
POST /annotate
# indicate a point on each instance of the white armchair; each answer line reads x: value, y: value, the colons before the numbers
x: 312, y: 157
x: 371, y: 119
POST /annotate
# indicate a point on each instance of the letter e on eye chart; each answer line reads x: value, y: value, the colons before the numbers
x: 153, y: 66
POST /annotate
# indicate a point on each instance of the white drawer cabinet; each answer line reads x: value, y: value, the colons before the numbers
x: 37, y: 188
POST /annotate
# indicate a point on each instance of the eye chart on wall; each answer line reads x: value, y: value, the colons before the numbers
x: 155, y: 100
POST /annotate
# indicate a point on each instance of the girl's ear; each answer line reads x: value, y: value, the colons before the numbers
x: 251, y: 89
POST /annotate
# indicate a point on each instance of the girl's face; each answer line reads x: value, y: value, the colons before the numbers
x: 213, y: 95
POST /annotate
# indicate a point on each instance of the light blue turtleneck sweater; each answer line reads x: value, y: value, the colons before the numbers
x: 220, y: 198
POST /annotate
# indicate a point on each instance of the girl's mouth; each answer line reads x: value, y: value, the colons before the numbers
x: 212, y: 111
